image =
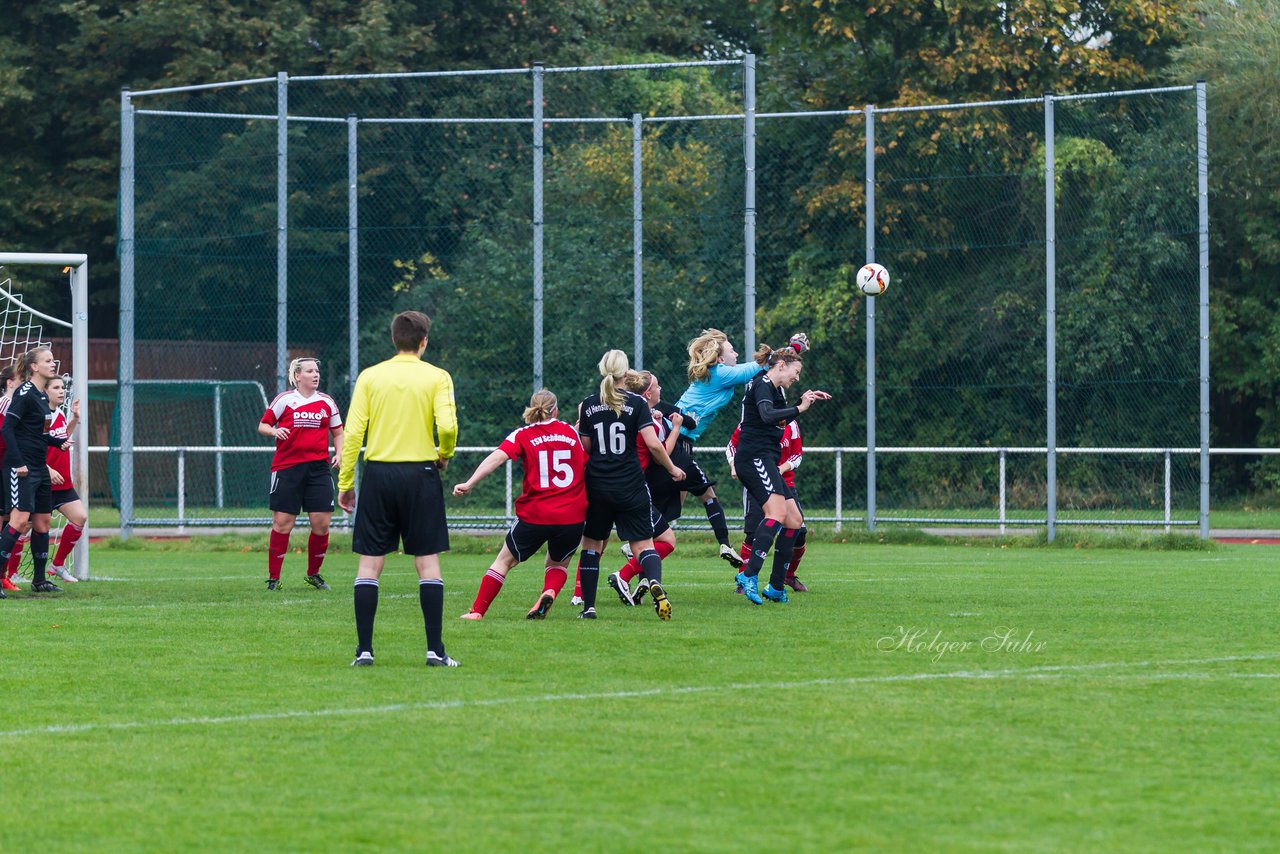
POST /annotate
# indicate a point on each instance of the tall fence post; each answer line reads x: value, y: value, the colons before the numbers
x: 282, y: 229
x: 124, y: 402
x: 839, y: 490
x: 1050, y: 320
x: 217, y: 440
x: 749, y: 202
x: 353, y: 259
x: 1202, y: 186
x: 637, y: 236
x: 538, y: 74
x: 1003, y: 491
x: 870, y: 307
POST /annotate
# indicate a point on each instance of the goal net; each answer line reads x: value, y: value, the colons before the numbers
x: 25, y: 326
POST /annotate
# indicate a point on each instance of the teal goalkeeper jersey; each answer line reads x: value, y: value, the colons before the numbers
x: 704, y: 398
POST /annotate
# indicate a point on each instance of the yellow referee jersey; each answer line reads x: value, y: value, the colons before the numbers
x: 400, y: 402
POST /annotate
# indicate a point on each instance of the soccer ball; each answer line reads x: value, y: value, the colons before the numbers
x: 873, y: 280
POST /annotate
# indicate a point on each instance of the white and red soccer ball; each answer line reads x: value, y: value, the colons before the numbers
x: 873, y: 279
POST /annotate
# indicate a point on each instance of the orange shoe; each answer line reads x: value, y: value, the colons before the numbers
x: 6, y: 584
x: 472, y: 615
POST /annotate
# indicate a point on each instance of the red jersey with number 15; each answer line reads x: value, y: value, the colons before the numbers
x: 308, y: 420
x: 554, y: 466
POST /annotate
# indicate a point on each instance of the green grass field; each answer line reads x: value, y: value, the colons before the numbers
x: 1079, y: 699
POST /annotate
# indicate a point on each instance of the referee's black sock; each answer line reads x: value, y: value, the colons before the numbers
x: 39, y: 555
x: 715, y: 515
x: 431, y: 598
x: 589, y: 574
x: 366, y: 597
x: 782, y: 557
x: 766, y: 532
x: 650, y: 565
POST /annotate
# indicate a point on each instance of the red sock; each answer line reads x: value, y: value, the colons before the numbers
x: 577, y: 582
x: 277, y: 545
x: 317, y: 547
x: 795, y: 561
x: 629, y: 570
x: 490, y: 587
x: 70, y: 536
x: 663, y: 549
x: 744, y: 551
x: 15, y: 557
x: 554, y: 579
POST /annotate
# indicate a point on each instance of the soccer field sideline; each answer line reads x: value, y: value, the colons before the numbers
x: 1053, y: 671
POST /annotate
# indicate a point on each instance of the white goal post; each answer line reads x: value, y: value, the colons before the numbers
x: 79, y: 326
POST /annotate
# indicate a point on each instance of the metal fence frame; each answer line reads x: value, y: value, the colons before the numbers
x: 537, y: 121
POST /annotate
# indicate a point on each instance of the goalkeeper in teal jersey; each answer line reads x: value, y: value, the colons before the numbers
x: 714, y: 373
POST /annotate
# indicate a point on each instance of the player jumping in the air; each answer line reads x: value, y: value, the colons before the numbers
x: 792, y: 454
x: 302, y: 420
x: 714, y: 373
x: 550, y: 509
x: 764, y: 418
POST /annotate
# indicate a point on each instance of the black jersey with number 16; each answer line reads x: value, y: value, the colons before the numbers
x: 613, y: 462
x: 26, y: 440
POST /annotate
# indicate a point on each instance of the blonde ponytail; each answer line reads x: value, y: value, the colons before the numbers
x: 613, y: 367
x: 704, y: 352
x: 542, y: 407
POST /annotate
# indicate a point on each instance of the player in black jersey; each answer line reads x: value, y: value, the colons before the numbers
x: 610, y: 421
x: 764, y: 419
x: 26, y: 471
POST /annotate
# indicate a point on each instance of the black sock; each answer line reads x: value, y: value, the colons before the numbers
x: 715, y: 515
x: 8, y: 539
x: 39, y: 555
x: 366, y: 597
x: 589, y: 575
x: 431, y: 598
x: 650, y: 565
x: 766, y: 533
x: 782, y: 557
x: 800, y: 537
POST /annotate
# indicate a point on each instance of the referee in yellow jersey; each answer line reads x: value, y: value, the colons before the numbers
x: 402, y: 408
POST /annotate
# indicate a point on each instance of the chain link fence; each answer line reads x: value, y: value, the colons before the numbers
x: 541, y: 216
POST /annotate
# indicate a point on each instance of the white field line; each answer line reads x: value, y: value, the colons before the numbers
x: 1033, y: 673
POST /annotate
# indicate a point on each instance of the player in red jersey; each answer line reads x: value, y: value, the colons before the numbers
x: 303, y: 421
x: 752, y: 514
x: 550, y: 509
x: 12, y: 377
x: 65, y: 498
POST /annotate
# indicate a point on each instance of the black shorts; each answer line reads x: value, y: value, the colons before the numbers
x: 695, y: 479
x: 400, y: 502
x: 665, y: 493
x: 306, y: 486
x: 760, y: 477
x: 561, y: 541
x: 30, y: 494
x: 631, y: 510
x: 64, y: 496
x: 753, y: 513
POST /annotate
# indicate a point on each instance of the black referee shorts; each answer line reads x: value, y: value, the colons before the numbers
x: 30, y: 494
x: 305, y: 486
x: 400, y: 502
